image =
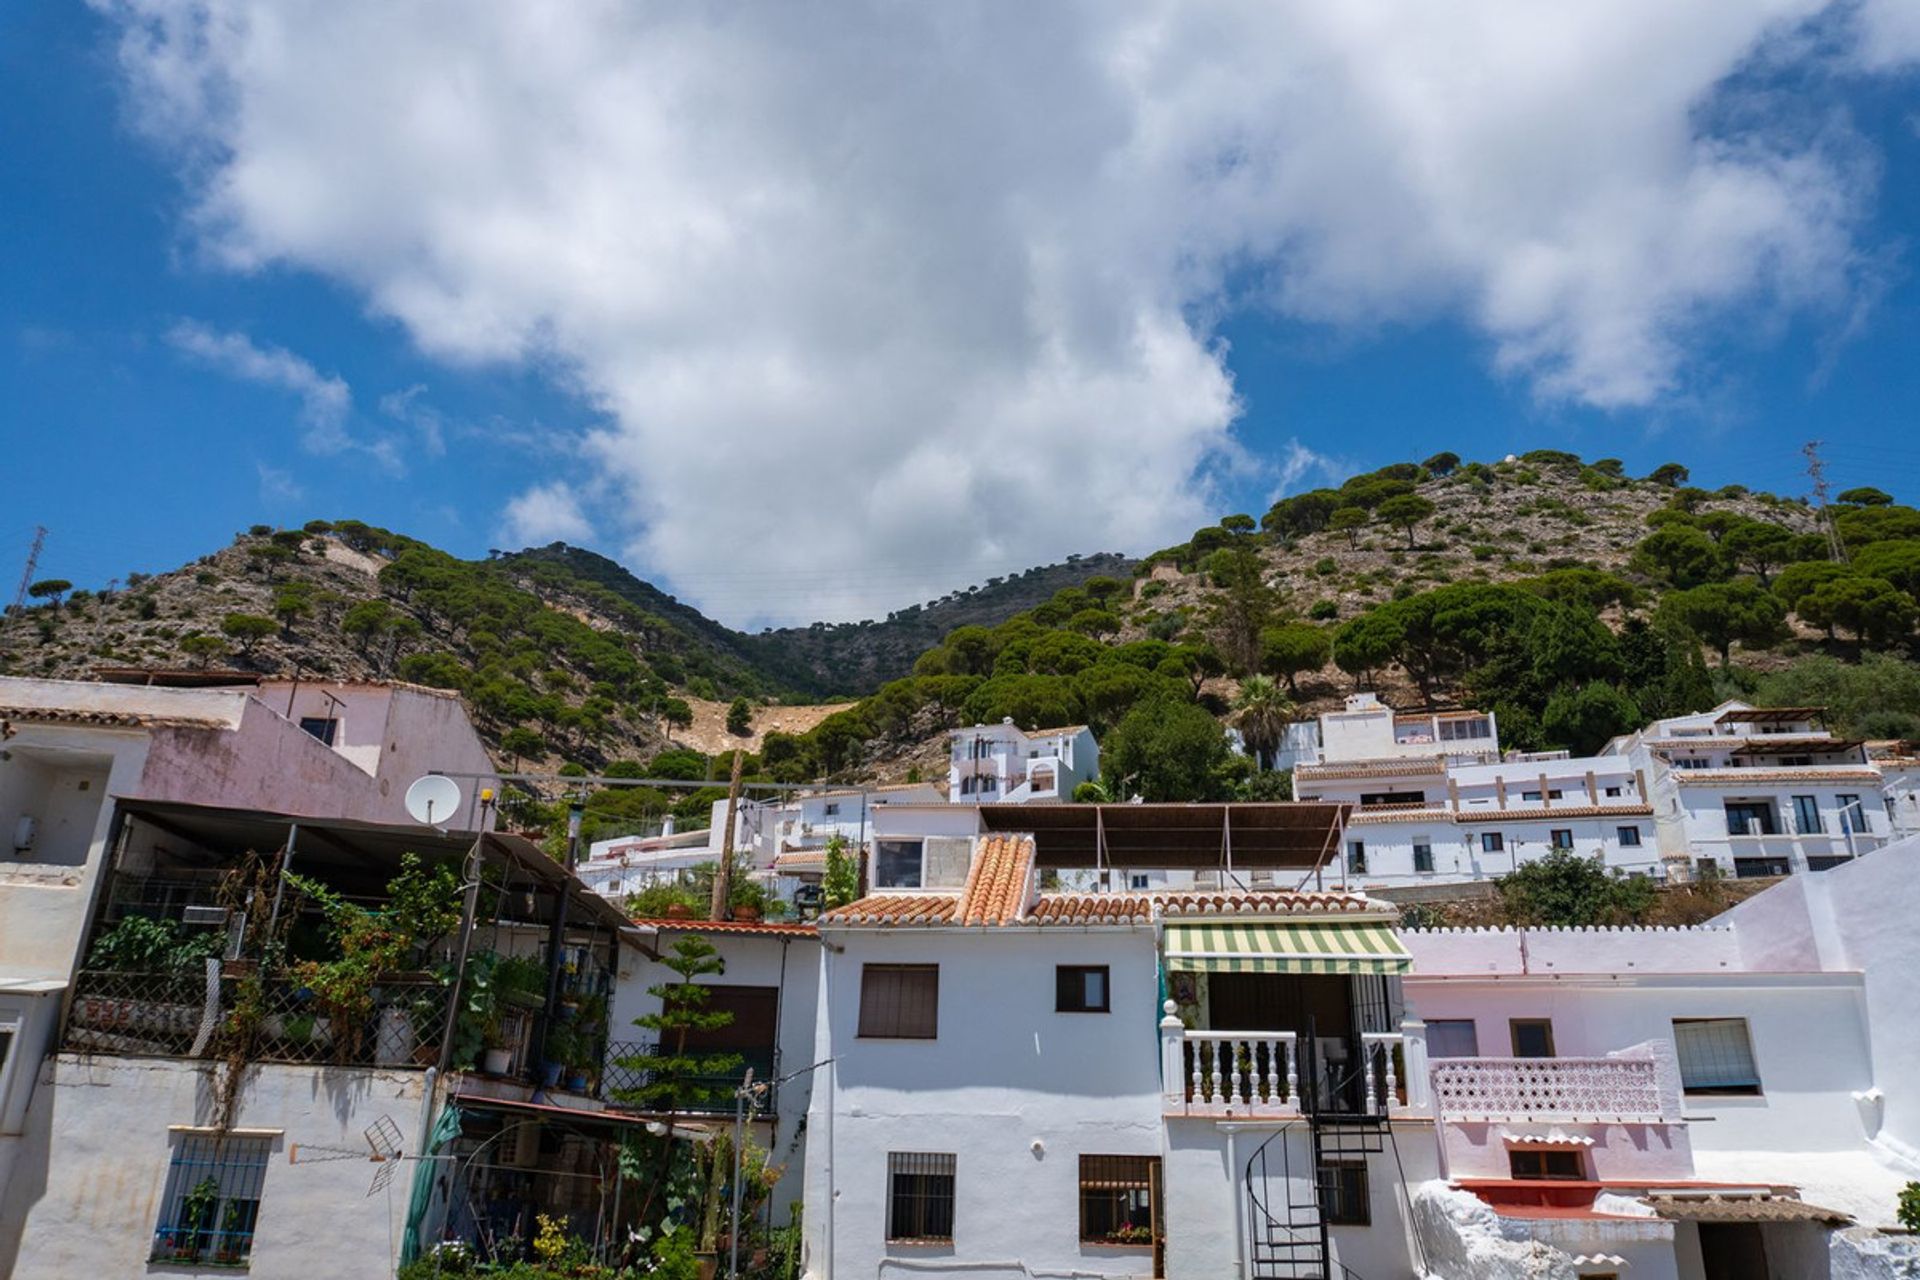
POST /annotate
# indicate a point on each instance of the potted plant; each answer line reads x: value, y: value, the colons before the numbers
x: 562, y: 1047
x: 230, y: 1248
x: 196, y: 1219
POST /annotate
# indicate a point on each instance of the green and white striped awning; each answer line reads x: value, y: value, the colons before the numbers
x: 1277, y: 947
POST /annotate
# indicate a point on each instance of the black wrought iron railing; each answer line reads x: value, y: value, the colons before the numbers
x: 626, y: 1081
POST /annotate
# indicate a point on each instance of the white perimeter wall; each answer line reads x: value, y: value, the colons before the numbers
x: 89, y: 1176
x: 1860, y: 916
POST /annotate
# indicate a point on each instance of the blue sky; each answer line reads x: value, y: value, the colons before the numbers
x: 803, y: 378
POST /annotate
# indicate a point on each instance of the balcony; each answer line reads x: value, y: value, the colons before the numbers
x: 184, y: 1015
x: 1591, y: 1090
x: 1258, y: 1074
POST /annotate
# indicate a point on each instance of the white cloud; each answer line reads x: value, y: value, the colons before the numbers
x: 278, y: 488
x: 325, y: 400
x: 543, y: 514
x: 879, y: 288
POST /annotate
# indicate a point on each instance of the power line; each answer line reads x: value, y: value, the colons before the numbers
x: 1817, y: 471
x: 33, y: 562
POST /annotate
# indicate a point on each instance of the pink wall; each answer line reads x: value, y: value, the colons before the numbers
x: 1591, y: 950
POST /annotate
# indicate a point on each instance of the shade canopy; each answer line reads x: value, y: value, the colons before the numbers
x: 1277, y: 947
x: 1299, y: 836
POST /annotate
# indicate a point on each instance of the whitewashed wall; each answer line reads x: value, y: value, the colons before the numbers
x: 1005, y: 1073
x: 88, y: 1180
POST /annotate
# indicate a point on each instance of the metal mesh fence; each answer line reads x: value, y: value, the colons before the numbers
x: 186, y: 1015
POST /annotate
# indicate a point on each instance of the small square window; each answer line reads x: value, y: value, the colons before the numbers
x: 1561, y: 838
x: 321, y: 727
x: 1716, y: 1056
x: 1532, y: 1037
x: 920, y: 1193
x: 1081, y: 988
x: 1492, y: 842
x: 1529, y: 796
x: 1452, y: 1038
x: 833, y: 809
x: 900, y: 1001
x: 1549, y: 1166
x: 1344, y: 1194
x: 896, y: 864
x: 1629, y: 837
x: 1613, y: 792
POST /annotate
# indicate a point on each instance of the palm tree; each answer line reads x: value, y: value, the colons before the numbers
x: 1262, y: 712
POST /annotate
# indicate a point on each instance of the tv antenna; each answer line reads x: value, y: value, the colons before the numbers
x: 434, y: 799
x: 383, y: 1149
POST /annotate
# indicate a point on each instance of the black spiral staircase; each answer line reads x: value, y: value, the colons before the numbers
x: 1287, y: 1236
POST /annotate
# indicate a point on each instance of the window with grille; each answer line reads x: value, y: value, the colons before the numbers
x: 1452, y: 1038
x: 1716, y: 1056
x: 1356, y: 855
x: 1629, y: 837
x: 1116, y: 1199
x: 1547, y: 1166
x: 1343, y: 1194
x: 920, y: 1197
x: 900, y: 1001
x: 212, y: 1199
x: 1081, y: 988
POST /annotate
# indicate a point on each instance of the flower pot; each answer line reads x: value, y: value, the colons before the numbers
x: 746, y: 913
x: 496, y: 1061
x: 577, y: 1082
x: 679, y: 911
x: 550, y: 1073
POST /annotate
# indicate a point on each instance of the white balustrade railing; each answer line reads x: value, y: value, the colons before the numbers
x: 1242, y: 1070
x: 1380, y: 1073
x: 1592, y: 1089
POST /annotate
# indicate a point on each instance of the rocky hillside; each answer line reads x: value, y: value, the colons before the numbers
x: 1575, y: 600
x: 826, y: 659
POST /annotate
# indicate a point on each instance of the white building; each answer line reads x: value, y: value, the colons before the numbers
x: 1005, y: 764
x: 1757, y: 790
x: 1435, y: 802
x: 1330, y: 1092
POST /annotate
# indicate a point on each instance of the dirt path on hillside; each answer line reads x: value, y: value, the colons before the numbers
x: 709, y: 732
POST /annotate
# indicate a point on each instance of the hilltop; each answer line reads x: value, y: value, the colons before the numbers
x: 1573, y: 599
x: 562, y: 654
x: 826, y: 659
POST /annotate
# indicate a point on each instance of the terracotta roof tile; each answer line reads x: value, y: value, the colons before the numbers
x: 1000, y: 881
x: 768, y: 928
x: 1419, y: 766
x: 897, y: 909
x: 1812, y: 773
x: 1263, y: 902
x: 1091, y: 908
x: 1068, y: 730
x: 106, y: 719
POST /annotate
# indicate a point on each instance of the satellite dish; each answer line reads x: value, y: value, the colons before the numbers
x: 433, y: 799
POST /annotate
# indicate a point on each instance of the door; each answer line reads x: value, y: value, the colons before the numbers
x: 1732, y: 1251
